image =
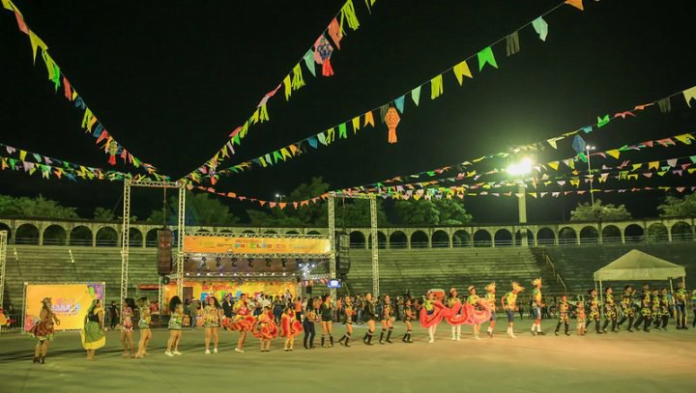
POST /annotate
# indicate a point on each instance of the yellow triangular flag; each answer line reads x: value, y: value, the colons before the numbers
x: 288, y: 87
x: 614, y: 153
x: 356, y: 124
x: 554, y: 165
x: 461, y: 70
x: 369, y: 119
x: 654, y: 165
x: 685, y: 138
x: 637, y: 166
x: 36, y: 42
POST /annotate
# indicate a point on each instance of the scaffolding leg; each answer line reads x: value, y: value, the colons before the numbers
x: 180, y: 242
x: 125, y: 243
x: 332, y: 242
x: 375, y: 246
x: 3, y: 262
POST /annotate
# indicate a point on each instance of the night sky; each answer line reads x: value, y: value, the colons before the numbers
x: 170, y: 82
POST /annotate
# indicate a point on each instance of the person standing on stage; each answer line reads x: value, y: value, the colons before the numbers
x: 581, y: 318
x: 645, y: 309
x: 43, y: 330
x: 348, y: 313
x: 563, y: 310
x: 656, y: 312
x: 211, y: 322
x: 409, y: 315
x: 144, y: 326
x: 610, y: 310
x: 127, y: 329
x: 310, y: 317
x: 664, y: 308
x: 176, y: 320
x: 537, y: 305
x: 92, y: 334
x: 627, y: 308
x: 327, y: 310
x: 680, y: 305
x: 387, y: 320
x: 491, y: 300
x: 369, y: 315
x: 509, y: 303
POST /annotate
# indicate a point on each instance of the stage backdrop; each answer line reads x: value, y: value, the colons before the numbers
x: 201, y: 290
x: 70, y: 302
x: 255, y: 245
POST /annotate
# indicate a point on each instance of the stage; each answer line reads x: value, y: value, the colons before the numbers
x: 623, y: 362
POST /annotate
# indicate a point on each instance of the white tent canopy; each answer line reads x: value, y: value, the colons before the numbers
x: 638, y: 266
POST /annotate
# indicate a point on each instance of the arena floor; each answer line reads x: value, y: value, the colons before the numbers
x: 623, y: 362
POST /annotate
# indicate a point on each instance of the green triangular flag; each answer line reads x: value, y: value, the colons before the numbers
x: 486, y: 57
x: 342, y: 131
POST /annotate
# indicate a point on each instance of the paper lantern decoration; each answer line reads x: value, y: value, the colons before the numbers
x: 112, y: 148
x: 392, y: 119
x: 322, y: 55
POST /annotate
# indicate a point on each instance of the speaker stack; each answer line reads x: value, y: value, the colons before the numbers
x: 164, y: 251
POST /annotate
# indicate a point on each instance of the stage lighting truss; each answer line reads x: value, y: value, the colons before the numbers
x: 255, y: 236
x: 255, y: 256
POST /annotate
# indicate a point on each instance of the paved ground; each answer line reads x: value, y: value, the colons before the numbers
x: 623, y: 362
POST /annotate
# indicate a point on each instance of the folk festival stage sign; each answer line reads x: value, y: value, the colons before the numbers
x: 256, y: 245
x: 70, y: 303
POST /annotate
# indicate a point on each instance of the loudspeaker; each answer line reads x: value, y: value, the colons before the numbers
x: 343, y: 265
x: 308, y: 290
x: 164, y: 251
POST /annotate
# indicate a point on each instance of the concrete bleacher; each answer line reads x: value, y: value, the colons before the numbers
x: 76, y: 264
x: 422, y: 269
x: 577, y: 264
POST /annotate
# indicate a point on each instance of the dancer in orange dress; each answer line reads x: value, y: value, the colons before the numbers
x: 243, y: 321
x: 265, y: 329
x: 456, y: 319
x: 431, y: 314
x: 290, y: 327
x: 43, y: 330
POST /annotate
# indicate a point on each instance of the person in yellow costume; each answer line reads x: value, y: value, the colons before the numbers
x: 537, y: 305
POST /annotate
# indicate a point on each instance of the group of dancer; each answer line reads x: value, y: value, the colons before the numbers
x: 653, y: 311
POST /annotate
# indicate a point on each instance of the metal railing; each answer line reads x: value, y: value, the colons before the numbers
x: 556, y: 275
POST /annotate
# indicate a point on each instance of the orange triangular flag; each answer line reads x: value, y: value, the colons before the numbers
x: 576, y: 3
x: 369, y: 119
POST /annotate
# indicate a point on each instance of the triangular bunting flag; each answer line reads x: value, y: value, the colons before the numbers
x: 461, y: 70
x: 486, y: 57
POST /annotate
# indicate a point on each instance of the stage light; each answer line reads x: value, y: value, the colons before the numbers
x: 198, y: 274
x: 284, y: 274
x: 220, y: 274
x: 521, y: 168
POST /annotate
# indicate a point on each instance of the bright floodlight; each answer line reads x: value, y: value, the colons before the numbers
x: 590, y: 147
x: 521, y: 168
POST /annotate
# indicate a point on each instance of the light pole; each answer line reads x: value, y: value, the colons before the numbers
x: 520, y: 169
x: 279, y: 197
x: 589, y: 148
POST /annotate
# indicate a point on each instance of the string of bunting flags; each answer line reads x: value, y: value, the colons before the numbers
x: 319, y: 54
x: 463, y: 167
x: 16, y: 159
x: 389, y: 113
x: 90, y: 123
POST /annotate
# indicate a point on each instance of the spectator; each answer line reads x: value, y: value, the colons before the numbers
x: 227, y: 305
x: 113, y: 315
x: 193, y: 313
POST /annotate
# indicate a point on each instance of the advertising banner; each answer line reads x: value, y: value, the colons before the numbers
x: 70, y: 303
x: 255, y: 245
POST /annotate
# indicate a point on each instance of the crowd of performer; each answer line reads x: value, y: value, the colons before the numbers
x: 267, y: 318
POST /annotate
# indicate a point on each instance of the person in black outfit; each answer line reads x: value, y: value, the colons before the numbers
x: 369, y: 315
x: 227, y: 305
x: 113, y: 315
x: 308, y: 324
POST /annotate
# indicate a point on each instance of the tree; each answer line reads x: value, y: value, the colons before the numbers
x: 35, y: 207
x: 201, y: 209
x: 102, y: 214
x: 599, y: 212
x: 314, y: 214
x: 432, y: 212
x: 678, y: 207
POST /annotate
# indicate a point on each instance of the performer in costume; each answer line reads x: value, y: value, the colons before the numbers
x: 680, y: 305
x: 431, y: 314
x: 409, y: 315
x: 176, y: 320
x: 42, y: 331
x: 369, y: 315
x: 627, y: 307
x: 491, y: 300
x: 656, y: 311
x: 242, y: 321
x: 347, y: 320
x: 610, y: 310
x: 693, y: 307
x: 212, y: 315
x: 664, y: 308
x: 563, y: 310
x: 593, y: 307
x: 92, y: 334
x: 537, y: 305
x: 326, y: 320
x: 456, y: 319
x: 289, y: 328
x: 144, y: 325
x: 387, y: 320
x: 473, y: 300
x: 127, y: 329
x: 581, y: 318
x: 509, y: 303
x: 265, y: 328
x: 645, y: 309
x: 311, y: 316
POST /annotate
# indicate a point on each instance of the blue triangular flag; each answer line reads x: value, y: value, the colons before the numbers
x: 399, y: 104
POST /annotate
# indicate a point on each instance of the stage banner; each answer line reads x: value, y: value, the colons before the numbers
x: 202, y: 289
x: 255, y: 245
x: 70, y: 303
